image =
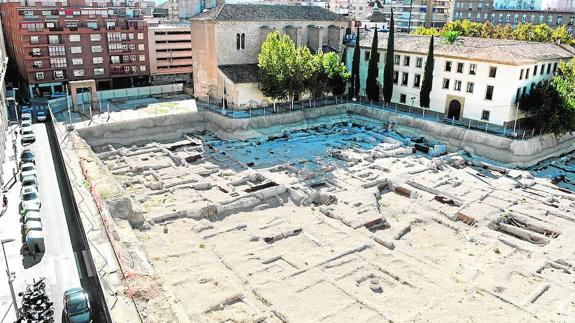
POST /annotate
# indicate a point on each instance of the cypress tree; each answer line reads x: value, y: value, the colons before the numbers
x: 388, y: 69
x: 427, y: 78
x: 355, y: 67
x: 371, y: 87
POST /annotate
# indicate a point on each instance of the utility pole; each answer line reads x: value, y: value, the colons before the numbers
x: 10, y: 279
x: 409, y: 21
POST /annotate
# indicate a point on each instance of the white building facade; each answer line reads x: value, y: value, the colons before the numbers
x: 474, y: 79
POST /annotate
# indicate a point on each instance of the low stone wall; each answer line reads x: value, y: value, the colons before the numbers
x: 520, y: 153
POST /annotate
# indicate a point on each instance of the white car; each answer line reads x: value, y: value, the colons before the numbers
x: 30, y: 181
x: 26, y: 116
x: 28, y: 136
x: 27, y: 169
x: 26, y: 124
x: 30, y: 199
x: 41, y: 116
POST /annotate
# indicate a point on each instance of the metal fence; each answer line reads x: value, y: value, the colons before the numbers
x: 401, y: 109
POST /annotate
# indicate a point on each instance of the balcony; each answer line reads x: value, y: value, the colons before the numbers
x: 56, y: 29
x: 31, y: 53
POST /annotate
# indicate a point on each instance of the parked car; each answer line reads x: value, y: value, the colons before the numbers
x: 28, y: 136
x: 25, y: 125
x: 30, y: 181
x: 30, y: 199
x: 30, y: 215
x: 27, y: 156
x: 26, y: 115
x: 77, y: 306
x: 41, y: 116
x: 27, y: 169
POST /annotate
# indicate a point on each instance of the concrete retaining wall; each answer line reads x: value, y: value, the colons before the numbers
x: 521, y: 153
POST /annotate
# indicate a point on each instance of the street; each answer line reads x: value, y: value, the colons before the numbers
x: 59, y: 263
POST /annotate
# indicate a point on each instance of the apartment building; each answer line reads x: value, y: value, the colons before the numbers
x: 3, y: 106
x: 51, y: 45
x: 226, y: 42
x: 499, y: 13
x: 170, y: 47
x: 475, y: 79
x: 410, y: 14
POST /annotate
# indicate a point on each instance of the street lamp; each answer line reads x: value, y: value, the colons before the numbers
x: 10, y: 278
x: 16, y: 104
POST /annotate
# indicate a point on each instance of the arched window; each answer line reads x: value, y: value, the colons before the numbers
x: 238, y: 45
x: 243, y: 41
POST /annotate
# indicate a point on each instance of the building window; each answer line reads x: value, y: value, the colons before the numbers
x: 521, y: 74
x: 518, y: 95
x: 548, y: 68
x: 98, y: 60
x: 142, y: 47
x: 58, y: 75
x: 419, y: 62
x: 470, y: 86
x: 542, y: 69
x: 396, y: 59
x: 448, y: 66
x: 554, y: 68
x: 76, y: 50
x: 110, y: 25
x: 366, y: 55
x: 37, y: 63
x: 417, y: 81
x: 36, y: 52
x: 472, y: 69
x: 95, y: 37
x: 57, y: 51
x: 535, y: 70
x: 92, y: 24
x: 54, y: 39
x: 140, y: 36
x: 485, y: 115
x: 489, y: 93
x: 527, y: 73
x: 78, y: 73
x: 96, y: 49
x: 406, y: 60
x: 459, y: 67
x: 492, y: 71
x: 395, y: 77
x: 74, y: 38
x: 142, y: 58
x: 404, y: 78
x: 457, y: 85
x: 142, y: 68
x: 34, y: 39
x: 58, y: 62
x: 98, y: 71
x: 446, y: 83
x: 77, y: 61
x: 241, y: 41
x: 39, y: 75
x: 402, y: 98
x: 115, y: 59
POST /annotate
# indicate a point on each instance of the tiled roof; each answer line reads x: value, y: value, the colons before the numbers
x: 502, y: 51
x: 241, y: 73
x: 262, y: 12
x: 377, y: 16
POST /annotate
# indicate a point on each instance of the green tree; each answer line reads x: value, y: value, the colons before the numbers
x: 560, y: 34
x: 542, y: 33
x: 355, y: 66
x: 425, y: 31
x: 427, y: 83
x: 337, y: 74
x: 450, y: 37
x: 551, y: 104
x: 371, y: 87
x: 487, y: 30
x: 276, y: 52
x: 388, y: 68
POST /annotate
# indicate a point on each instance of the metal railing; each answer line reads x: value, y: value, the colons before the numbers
x: 400, y: 109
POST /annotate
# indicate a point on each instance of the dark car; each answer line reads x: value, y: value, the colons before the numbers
x: 77, y: 306
x: 27, y: 156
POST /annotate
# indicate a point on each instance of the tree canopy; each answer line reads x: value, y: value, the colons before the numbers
x: 550, y: 105
x: 427, y: 83
x: 287, y: 71
x: 371, y: 86
x: 388, y: 67
x: 523, y: 31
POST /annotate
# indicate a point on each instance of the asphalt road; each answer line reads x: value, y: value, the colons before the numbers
x: 59, y: 263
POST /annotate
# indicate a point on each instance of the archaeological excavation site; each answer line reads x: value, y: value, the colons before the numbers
x: 332, y: 215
